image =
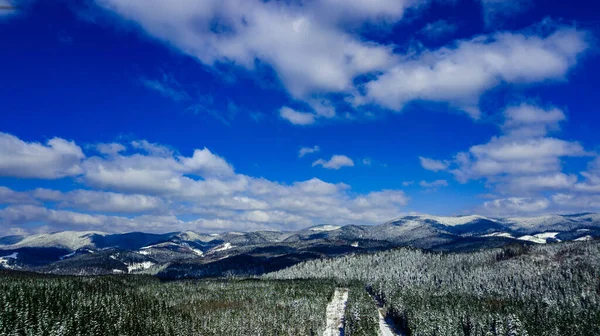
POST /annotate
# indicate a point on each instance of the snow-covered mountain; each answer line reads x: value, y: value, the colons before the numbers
x: 191, y: 253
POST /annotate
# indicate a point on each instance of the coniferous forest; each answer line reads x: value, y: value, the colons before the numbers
x: 547, y: 290
x: 516, y: 290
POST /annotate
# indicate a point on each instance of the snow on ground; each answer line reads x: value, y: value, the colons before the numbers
x: 499, y: 234
x: 540, y: 238
x: 69, y: 240
x: 384, y: 327
x: 355, y: 244
x: 224, y: 247
x: 335, y: 313
x: 453, y: 221
x: 584, y: 238
x: 197, y: 252
x: 139, y: 266
x: 14, y: 255
x: 159, y: 245
x: 4, y: 260
x: 323, y: 228
x: 547, y: 235
x: 193, y: 236
x: 68, y: 255
x: 144, y: 252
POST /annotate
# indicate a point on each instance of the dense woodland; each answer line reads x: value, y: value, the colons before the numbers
x: 141, y: 305
x: 513, y: 291
x: 517, y: 290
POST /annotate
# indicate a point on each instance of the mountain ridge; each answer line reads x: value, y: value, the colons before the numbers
x: 189, y: 254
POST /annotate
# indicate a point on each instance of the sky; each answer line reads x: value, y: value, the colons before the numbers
x: 236, y: 115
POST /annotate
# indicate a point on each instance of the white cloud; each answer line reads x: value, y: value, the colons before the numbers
x: 460, y: 74
x: 336, y: 162
x: 110, y: 148
x: 57, y: 159
x: 167, y: 86
x: 99, y: 201
x: 573, y: 202
x: 516, y: 206
x: 295, y: 117
x: 316, y: 50
x: 434, y: 184
x: 433, y: 165
x: 203, y: 185
x: 407, y: 183
x: 367, y: 162
x: 524, y: 166
x: 295, y: 40
x: 524, y: 157
x: 308, y: 150
x: 438, y: 29
x: 9, y: 196
x: 152, y: 148
x: 528, y: 120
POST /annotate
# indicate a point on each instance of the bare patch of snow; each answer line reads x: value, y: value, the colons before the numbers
x: 66, y: 256
x: 224, y: 247
x: 324, y: 228
x: 384, y: 327
x: 139, y: 266
x: 4, y: 260
x: 197, y: 252
x: 335, y: 313
x: 355, y: 244
x: 70, y: 240
x: 159, y: 245
x: 454, y: 220
x: 499, y: 234
x: 584, y: 238
x: 540, y: 238
x: 14, y: 255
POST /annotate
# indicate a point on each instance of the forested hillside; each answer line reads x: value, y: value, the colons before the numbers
x: 516, y: 290
x: 139, y: 305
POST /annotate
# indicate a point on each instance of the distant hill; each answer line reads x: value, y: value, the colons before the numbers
x: 192, y: 254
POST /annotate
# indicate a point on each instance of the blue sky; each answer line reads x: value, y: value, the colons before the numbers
x: 165, y: 116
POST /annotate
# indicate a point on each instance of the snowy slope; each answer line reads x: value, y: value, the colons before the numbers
x: 454, y: 221
x: 70, y: 240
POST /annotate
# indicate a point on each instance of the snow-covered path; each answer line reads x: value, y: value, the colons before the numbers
x: 384, y: 327
x: 335, y: 313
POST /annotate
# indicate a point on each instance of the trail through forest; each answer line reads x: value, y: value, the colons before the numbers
x: 385, y: 326
x: 335, y: 313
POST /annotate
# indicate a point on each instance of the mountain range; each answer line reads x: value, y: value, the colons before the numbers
x: 191, y: 254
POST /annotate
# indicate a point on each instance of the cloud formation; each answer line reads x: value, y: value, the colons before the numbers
x: 336, y: 162
x: 295, y: 117
x: 308, y: 150
x: 434, y: 184
x: 433, y: 165
x: 525, y: 165
x: 149, y: 187
x: 461, y: 73
x: 318, y: 53
x: 57, y: 158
